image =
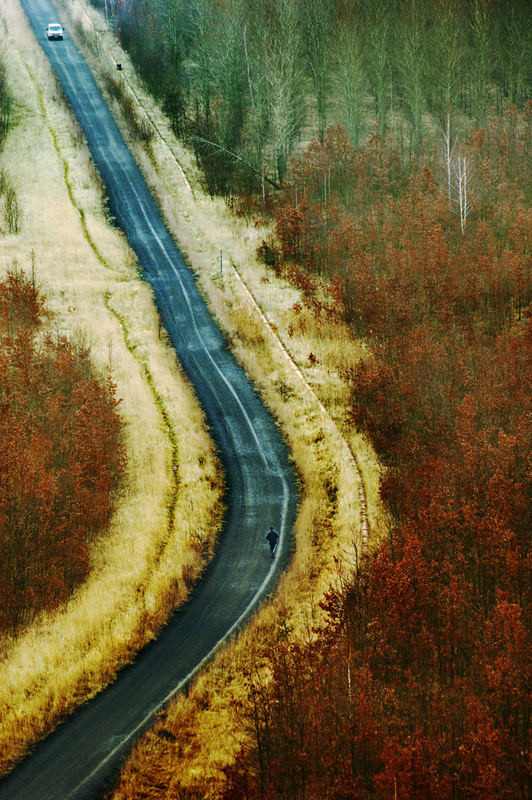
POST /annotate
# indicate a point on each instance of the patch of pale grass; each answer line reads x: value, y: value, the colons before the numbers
x: 143, y: 567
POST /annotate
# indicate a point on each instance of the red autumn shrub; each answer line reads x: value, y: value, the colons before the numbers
x: 61, y: 458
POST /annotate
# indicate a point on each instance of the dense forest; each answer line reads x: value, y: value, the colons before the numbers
x: 245, y: 81
x: 390, y: 143
x: 61, y: 457
x: 421, y: 687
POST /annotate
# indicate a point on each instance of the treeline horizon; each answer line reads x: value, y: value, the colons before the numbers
x: 248, y: 82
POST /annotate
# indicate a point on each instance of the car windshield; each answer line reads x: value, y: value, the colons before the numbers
x: 54, y: 27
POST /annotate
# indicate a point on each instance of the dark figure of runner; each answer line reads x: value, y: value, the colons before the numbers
x: 272, y: 537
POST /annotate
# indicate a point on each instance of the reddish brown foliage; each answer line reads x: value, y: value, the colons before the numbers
x: 421, y: 689
x: 60, y: 459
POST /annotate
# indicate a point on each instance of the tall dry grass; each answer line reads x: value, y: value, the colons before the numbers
x: 146, y: 563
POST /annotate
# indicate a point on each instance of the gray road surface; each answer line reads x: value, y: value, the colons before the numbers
x: 82, y: 755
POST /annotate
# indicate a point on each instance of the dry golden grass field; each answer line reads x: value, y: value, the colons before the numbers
x: 92, y: 286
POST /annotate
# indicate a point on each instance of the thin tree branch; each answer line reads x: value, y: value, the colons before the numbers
x: 238, y: 158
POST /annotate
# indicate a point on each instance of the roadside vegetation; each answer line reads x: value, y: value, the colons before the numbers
x: 6, y: 100
x: 420, y: 685
x: 10, y: 210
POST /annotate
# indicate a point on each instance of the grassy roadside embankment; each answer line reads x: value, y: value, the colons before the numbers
x: 145, y: 564
x: 273, y: 334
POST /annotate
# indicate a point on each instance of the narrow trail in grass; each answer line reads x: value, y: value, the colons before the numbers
x: 167, y: 424
x: 83, y: 754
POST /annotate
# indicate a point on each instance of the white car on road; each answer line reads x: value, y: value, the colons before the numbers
x: 54, y: 31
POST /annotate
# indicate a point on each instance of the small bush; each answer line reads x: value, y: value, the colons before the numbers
x: 268, y: 252
x: 12, y: 208
x: 6, y: 103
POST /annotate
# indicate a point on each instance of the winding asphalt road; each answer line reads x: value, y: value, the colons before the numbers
x: 80, y: 758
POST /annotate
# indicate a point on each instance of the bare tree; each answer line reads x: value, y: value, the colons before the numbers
x: 449, y: 150
x: 410, y: 59
x: 482, y: 57
x: 460, y: 184
x: 377, y: 23
x: 350, y: 76
x: 220, y: 88
x: 317, y: 25
x: 282, y: 63
x: 176, y: 19
x: 259, y: 117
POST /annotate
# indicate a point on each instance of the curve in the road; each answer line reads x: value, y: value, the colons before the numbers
x: 80, y: 757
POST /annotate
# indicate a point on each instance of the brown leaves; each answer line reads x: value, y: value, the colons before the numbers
x: 61, y: 457
x: 427, y: 660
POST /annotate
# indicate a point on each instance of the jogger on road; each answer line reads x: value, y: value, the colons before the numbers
x: 273, y: 537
